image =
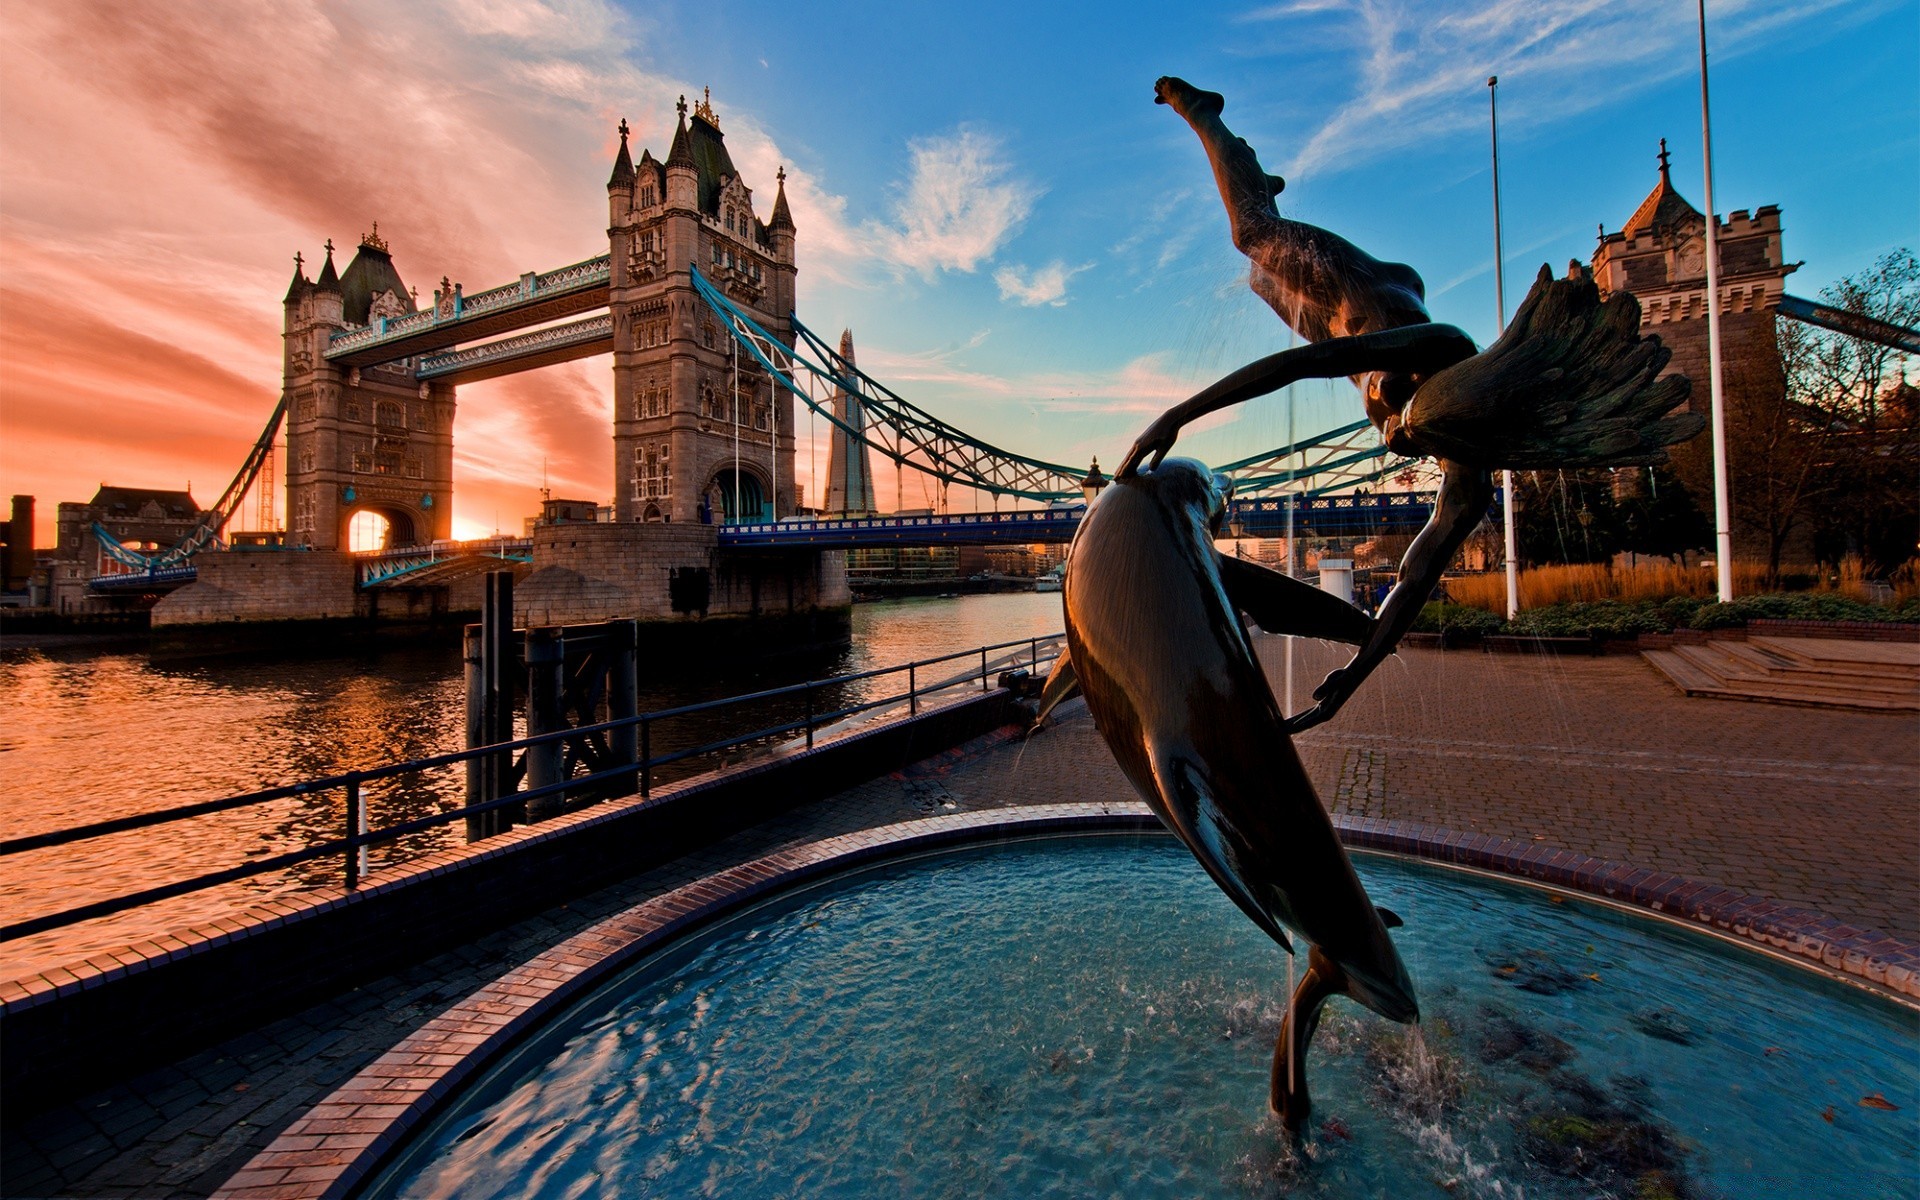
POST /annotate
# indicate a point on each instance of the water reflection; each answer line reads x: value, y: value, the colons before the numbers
x: 95, y: 736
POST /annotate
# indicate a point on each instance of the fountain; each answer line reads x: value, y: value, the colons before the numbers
x: 844, y: 1041
x: 1083, y: 1016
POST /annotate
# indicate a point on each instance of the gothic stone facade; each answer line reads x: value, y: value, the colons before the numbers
x: 1660, y: 257
x: 372, y: 440
x: 685, y: 408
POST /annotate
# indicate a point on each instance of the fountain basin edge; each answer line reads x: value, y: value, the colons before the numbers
x: 343, y: 1142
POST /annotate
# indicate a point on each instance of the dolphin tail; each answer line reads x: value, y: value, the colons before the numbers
x: 1062, y: 686
x: 1287, y: 1095
x: 1282, y: 604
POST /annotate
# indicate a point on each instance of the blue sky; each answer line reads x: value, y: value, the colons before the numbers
x: 1020, y: 239
x: 1376, y: 114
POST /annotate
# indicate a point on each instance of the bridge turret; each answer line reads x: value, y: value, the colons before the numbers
x: 298, y: 289
x: 620, y: 184
x: 326, y: 293
x: 683, y: 173
x: 780, y: 226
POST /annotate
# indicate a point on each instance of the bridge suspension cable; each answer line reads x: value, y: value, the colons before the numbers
x: 207, y: 532
x: 909, y: 435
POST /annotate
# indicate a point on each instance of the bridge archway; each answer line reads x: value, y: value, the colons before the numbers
x: 748, y: 502
x: 369, y: 527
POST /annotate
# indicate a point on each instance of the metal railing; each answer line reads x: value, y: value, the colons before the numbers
x: 637, y: 776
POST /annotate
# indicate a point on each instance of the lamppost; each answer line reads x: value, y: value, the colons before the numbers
x: 1237, y: 528
x: 1090, y: 486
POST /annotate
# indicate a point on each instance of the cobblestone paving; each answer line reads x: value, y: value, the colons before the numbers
x: 1602, y: 756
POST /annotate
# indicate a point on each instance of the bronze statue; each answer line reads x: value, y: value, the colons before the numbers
x: 1154, y: 638
x: 1155, y: 643
x: 1570, y: 382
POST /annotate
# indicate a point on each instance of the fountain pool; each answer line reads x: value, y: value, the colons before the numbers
x: 1090, y: 1016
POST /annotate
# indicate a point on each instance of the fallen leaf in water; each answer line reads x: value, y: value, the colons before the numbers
x: 1592, y: 976
x: 1827, y: 1114
x: 1556, y: 899
x: 1876, y: 1100
x: 1770, y: 1051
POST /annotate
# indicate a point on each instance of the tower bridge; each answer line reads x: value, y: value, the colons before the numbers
x: 694, y: 300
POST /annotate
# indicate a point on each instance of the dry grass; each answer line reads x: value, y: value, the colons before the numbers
x: 1587, y: 582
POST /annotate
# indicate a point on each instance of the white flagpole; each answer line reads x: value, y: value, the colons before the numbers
x: 1500, y: 307
x: 1722, y: 504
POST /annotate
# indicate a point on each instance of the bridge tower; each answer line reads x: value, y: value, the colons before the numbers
x: 849, y: 463
x: 699, y: 432
x: 359, y: 440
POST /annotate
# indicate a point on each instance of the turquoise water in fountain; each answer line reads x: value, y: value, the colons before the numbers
x: 1091, y: 1017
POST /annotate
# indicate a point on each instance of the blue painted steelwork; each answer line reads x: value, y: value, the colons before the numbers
x: 141, y: 581
x: 1853, y: 324
x: 1315, y: 515
x: 909, y: 435
x: 545, y: 285
x: 386, y: 566
x: 207, y: 532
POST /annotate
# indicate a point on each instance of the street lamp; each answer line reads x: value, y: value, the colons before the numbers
x: 1236, y: 527
x: 1091, y: 485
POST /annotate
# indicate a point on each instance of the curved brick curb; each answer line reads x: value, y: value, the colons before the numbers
x: 338, y: 1144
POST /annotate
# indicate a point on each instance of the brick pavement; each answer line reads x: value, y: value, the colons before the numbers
x: 1600, y: 756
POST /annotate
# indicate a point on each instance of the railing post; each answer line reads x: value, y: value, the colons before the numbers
x: 356, y: 827
x: 497, y: 621
x: 1033, y: 656
x: 809, y: 714
x: 646, y: 759
x: 546, y: 677
x: 983, y: 668
x: 913, y: 689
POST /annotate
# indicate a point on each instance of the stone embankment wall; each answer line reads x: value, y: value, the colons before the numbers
x: 242, y: 586
x: 669, y: 573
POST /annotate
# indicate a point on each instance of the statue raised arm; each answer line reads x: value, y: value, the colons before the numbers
x: 1570, y: 382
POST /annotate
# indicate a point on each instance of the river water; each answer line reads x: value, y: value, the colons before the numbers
x: 90, y: 736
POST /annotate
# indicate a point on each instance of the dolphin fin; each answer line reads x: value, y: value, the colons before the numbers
x: 1388, y: 917
x: 1282, y: 604
x: 1062, y: 685
x: 1206, y: 835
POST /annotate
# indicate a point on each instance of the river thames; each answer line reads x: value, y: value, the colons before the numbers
x: 92, y: 735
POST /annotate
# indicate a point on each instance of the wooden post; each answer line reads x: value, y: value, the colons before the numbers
x: 477, y: 826
x: 497, y: 617
x: 623, y: 695
x: 546, y: 680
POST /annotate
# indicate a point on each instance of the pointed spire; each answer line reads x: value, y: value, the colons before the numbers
x: 782, y: 218
x: 623, y: 164
x: 681, y: 153
x: 299, y: 287
x: 846, y: 345
x: 329, y: 278
x: 1664, y: 156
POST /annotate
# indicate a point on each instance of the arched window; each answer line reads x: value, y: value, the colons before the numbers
x: 646, y: 196
x: 390, y: 413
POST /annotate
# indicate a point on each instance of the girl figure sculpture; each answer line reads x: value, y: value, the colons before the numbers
x: 1569, y: 384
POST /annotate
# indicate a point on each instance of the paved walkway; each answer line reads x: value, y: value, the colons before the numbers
x: 1602, y: 756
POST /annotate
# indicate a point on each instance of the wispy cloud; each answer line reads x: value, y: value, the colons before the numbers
x: 1046, y: 285
x: 960, y: 203
x: 1420, y: 74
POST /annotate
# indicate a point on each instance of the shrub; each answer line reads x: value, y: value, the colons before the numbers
x: 1602, y: 618
x: 1458, y: 619
x: 1799, y: 606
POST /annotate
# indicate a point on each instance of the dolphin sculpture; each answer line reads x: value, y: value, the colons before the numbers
x: 1155, y: 643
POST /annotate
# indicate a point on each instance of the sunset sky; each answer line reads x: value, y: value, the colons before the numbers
x: 1019, y: 238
